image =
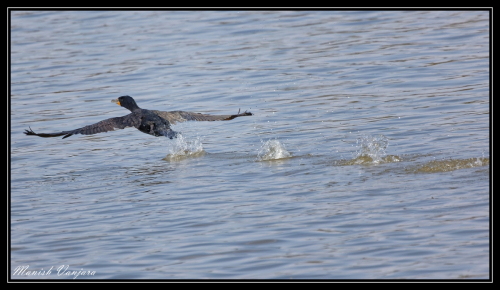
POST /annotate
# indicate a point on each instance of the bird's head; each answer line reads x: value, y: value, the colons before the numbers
x: 126, y: 102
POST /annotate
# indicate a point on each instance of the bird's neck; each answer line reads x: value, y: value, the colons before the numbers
x: 132, y: 107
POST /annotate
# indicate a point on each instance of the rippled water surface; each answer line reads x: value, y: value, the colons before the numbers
x: 367, y: 155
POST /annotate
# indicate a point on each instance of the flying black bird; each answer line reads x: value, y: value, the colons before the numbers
x: 152, y: 122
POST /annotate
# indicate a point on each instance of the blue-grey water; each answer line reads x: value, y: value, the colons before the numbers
x: 367, y: 157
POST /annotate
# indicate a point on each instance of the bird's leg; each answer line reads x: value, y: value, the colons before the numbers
x: 169, y: 133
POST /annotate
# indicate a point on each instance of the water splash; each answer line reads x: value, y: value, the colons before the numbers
x: 371, y: 149
x: 180, y: 148
x: 272, y: 149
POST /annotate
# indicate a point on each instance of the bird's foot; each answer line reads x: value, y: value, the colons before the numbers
x: 171, y: 134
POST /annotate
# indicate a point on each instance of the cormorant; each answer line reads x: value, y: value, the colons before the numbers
x: 152, y: 122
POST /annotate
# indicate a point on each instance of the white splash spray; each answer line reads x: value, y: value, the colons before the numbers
x: 371, y: 149
x: 180, y: 148
x: 272, y: 150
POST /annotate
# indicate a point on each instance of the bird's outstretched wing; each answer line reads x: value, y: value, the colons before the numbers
x: 182, y: 116
x: 130, y: 120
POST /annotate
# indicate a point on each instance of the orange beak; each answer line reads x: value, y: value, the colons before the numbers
x: 116, y: 101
